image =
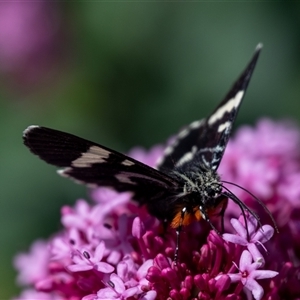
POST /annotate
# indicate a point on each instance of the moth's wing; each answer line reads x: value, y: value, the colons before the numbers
x: 206, y: 140
x: 95, y: 165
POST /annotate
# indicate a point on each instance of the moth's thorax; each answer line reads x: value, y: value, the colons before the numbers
x: 199, y: 183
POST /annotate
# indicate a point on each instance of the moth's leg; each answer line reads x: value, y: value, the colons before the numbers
x: 178, y: 231
x: 222, y: 213
x: 206, y: 218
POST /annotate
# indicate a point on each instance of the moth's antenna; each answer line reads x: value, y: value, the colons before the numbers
x: 257, y: 199
x: 243, y: 208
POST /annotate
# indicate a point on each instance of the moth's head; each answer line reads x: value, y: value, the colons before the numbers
x: 209, y: 185
x: 212, y: 190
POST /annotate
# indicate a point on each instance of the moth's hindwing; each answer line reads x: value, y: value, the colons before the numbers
x: 206, y: 140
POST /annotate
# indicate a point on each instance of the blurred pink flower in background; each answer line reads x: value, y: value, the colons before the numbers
x: 30, y: 39
x: 112, y: 249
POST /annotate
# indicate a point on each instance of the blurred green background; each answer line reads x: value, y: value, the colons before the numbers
x: 125, y: 74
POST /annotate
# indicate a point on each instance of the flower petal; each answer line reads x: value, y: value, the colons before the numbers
x: 143, y: 269
x: 256, y: 255
x: 239, y: 228
x: 104, y: 267
x: 131, y: 292
x: 79, y: 268
x: 138, y: 228
x: 251, y: 224
x: 235, y: 239
x: 261, y: 274
x: 106, y: 293
x: 150, y: 295
x: 263, y: 234
x: 118, y: 283
x: 99, y: 251
x: 245, y: 260
x: 256, y: 290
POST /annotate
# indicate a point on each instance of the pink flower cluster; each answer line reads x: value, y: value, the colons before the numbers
x: 113, y: 249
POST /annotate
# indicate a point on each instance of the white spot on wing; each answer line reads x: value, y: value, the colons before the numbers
x: 187, y: 157
x: 227, y: 107
x: 224, y: 126
x: 216, y: 153
x: 183, y: 133
x: 61, y: 172
x: 93, y: 156
x: 216, y: 149
x: 124, y: 178
x: 127, y: 162
x: 259, y: 46
x: 159, y: 161
x: 168, y: 150
x: 195, y: 124
x: 29, y: 128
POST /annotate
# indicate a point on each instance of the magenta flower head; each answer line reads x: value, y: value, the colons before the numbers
x: 114, y: 249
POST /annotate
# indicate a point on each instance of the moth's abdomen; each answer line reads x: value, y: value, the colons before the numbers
x: 187, y: 213
x: 187, y: 218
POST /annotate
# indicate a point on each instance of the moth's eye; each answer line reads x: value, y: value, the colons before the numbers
x: 212, y: 192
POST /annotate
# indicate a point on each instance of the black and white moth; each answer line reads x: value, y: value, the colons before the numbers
x: 185, y: 186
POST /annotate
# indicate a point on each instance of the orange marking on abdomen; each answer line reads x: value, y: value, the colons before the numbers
x: 187, y: 219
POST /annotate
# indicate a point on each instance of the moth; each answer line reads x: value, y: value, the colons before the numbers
x: 183, y: 188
